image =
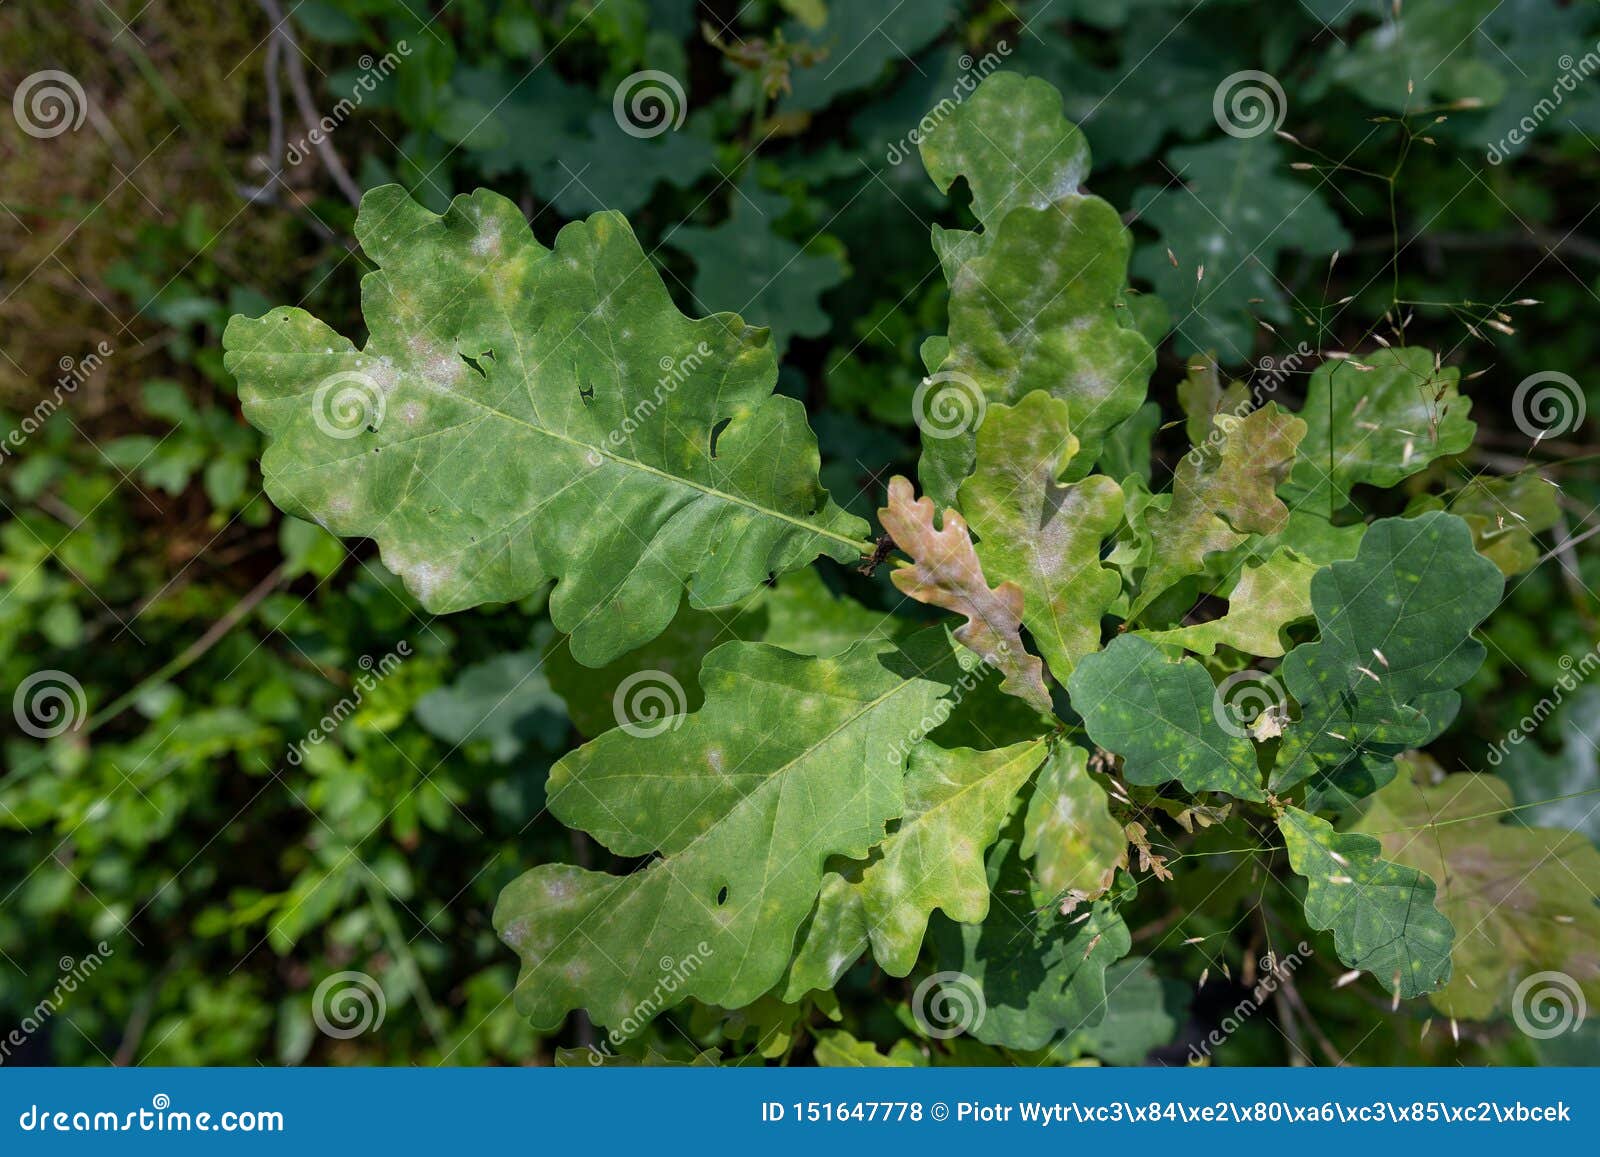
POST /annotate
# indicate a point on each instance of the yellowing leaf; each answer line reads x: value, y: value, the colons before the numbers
x: 1522, y: 898
x: 956, y: 802
x: 791, y: 760
x: 1041, y: 534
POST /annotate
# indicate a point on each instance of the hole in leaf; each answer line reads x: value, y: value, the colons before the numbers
x: 477, y: 362
x: 716, y: 432
x: 722, y: 896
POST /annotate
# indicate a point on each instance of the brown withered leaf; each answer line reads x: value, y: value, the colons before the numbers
x: 945, y: 572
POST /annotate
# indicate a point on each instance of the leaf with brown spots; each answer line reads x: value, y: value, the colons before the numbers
x: 945, y: 572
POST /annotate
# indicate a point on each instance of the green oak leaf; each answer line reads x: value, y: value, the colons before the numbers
x: 1421, y: 55
x: 520, y: 414
x: 1137, y: 1019
x: 1270, y: 594
x: 1522, y: 898
x: 837, y: 1049
x: 1222, y: 492
x: 1520, y: 40
x: 1505, y: 514
x: 1126, y: 453
x: 1163, y: 718
x: 1039, y: 975
x: 1381, y: 914
x: 861, y: 40
x: 1042, y: 534
x: 506, y: 701
x: 745, y: 265
x: 1163, y: 82
x: 1395, y: 641
x: 1377, y: 426
x: 1069, y: 833
x: 1557, y: 789
x: 790, y: 761
x: 1011, y: 143
x: 956, y: 803
x: 798, y: 614
x: 1036, y: 297
x: 567, y: 141
x: 1236, y: 215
